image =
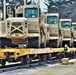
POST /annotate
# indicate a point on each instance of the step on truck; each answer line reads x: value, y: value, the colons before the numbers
x: 25, y: 28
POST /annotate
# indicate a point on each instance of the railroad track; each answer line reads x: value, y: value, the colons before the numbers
x: 32, y: 65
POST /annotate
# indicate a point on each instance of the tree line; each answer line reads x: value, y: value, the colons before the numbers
x: 66, y: 8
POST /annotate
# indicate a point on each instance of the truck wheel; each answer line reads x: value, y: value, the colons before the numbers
x: 53, y: 43
x: 33, y: 42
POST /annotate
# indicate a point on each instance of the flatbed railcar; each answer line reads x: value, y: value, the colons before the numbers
x: 29, y: 28
x: 29, y: 55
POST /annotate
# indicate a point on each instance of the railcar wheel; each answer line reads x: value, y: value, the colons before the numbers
x: 28, y: 60
x: 49, y: 57
x: 43, y: 58
x: 39, y: 59
x: 23, y: 62
x: 3, y: 62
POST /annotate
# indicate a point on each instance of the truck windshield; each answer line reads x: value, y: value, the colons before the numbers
x: 74, y: 26
x: 31, y: 12
x: 52, y: 20
x: 65, y: 24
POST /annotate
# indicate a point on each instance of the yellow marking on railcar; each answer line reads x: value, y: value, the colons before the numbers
x: 40, y: 51
x: 16, y: 52
x: 56, y: 50
x: 73, y: 49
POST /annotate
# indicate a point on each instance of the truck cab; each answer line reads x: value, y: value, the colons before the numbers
x: 74, y: 33
x: 26, y: 25
x: 35, y: 30
x: 17, y: 30
x: 65, y: 29
x: 52, y: 34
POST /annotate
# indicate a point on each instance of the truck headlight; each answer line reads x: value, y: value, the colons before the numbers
x: 8, y: 23
x: 25, y: 23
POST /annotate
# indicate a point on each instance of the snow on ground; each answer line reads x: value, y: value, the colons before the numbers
x: 51, y: 65
x: 72, y: 60
x: 42, y: 70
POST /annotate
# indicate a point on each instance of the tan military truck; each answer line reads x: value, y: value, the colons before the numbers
x: 13, y: 32
x: 35, y: 29
x: 17, y: 30
x: 31, y: 12
x: 73, y: 34
x: 65, y: 29
x: 52, y: 34
x: 25, y: 28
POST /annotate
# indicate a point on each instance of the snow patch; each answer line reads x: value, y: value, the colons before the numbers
x: 72, y: 60
x: 51, y: 65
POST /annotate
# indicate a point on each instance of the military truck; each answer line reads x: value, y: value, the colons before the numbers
x: 17, y: 30
x: 52, y: 34
x: 13, y: 32
x: 65, y: 30
x: 73, y: 34
x: 35, y: 29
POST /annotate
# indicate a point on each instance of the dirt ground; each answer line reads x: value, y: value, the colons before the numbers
x: 47, y: 70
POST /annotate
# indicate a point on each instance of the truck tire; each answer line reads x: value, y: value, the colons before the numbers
x: 33, y: 42
x: 53, y: 43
